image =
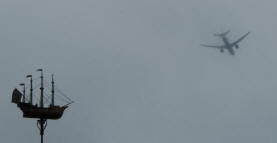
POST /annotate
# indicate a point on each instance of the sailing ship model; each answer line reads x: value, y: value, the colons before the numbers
x: 30, y: 110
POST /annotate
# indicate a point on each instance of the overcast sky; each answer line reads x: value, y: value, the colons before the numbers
x: 137, y: 73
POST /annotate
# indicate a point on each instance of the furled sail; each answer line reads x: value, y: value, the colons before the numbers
x: 16, y: 96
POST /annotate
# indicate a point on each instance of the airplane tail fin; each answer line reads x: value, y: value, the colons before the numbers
x: 222, y: 34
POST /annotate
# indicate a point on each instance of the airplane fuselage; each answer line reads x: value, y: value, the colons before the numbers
x: 228, y: 45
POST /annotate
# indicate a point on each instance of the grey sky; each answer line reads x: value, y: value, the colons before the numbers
x: 137, y: 73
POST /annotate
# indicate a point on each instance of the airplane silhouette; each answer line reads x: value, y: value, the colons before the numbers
x: 227, y: 45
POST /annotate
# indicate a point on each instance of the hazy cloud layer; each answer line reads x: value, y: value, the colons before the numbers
x: 137, y: 73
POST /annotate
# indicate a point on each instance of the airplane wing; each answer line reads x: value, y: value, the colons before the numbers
x: 220, y: 47
x: 236, y: 42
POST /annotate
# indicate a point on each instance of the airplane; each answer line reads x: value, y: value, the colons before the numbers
x: 227, y: 45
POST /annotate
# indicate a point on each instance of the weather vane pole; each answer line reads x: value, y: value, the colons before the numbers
x: 53, y: 112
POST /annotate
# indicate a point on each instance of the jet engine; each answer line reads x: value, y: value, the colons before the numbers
x: 237, y: 46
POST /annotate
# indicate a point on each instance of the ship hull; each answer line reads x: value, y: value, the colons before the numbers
x: 31, y: 111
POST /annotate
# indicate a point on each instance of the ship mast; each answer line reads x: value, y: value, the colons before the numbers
x: 41, y: 123
x: 53, y: 91
x: 22, y: 84
x: 31, y: 89
x: 41, y: 88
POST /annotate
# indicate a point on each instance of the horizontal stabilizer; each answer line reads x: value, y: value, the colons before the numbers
x: 222, y: 34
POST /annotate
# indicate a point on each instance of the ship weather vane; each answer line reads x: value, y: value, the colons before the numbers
x: 41, y: 112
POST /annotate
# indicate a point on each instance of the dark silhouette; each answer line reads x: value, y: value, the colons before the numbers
x: 227, y: 45
x: 29, y: 110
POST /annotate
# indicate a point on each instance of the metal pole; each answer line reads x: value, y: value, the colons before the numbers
x: 41, y: 123
x: 41, y: 134
x: 41, y: 131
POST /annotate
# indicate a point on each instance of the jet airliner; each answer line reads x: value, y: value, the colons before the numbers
x: 227, y: 45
